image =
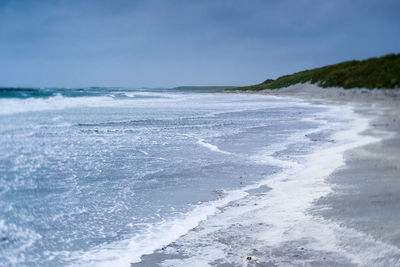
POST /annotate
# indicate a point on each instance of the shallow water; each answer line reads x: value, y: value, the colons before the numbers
x: 107, y: 176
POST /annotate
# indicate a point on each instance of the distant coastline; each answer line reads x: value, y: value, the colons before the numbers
x: 207, y: 89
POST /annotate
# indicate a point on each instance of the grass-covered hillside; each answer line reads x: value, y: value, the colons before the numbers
x: 382, y: 72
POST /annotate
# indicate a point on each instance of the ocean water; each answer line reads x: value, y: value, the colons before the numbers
x: 103, y: 176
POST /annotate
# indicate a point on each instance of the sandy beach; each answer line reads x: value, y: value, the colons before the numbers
x: 366, y: 191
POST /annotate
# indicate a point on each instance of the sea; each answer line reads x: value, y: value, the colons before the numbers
x: 120, y: 176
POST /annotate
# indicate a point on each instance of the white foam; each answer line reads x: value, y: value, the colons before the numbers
x: 144, y: 152
x: 16, y: 105
x: 211, y: 147
x: 220, y: 102
x: 11, y: 106
x: 25, y: 238
x: 156, y: 236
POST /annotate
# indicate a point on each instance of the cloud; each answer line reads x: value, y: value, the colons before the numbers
x: 169, y: 43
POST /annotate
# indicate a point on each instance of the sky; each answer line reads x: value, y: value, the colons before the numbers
x: 167, y: 43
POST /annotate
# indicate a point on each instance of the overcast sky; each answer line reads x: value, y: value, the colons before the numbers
x: 168, y: 43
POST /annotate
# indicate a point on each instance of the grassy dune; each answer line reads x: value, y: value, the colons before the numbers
x: 382, y: 72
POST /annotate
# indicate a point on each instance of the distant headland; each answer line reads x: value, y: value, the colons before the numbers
x: 381, y: 73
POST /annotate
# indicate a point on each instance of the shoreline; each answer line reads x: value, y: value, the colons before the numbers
x: 323, y: 215
x: 366, y: 191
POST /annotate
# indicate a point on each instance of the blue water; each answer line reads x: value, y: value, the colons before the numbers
x: 90, y: 168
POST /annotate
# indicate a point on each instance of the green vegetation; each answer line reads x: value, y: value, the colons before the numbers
x: 382, y: 72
